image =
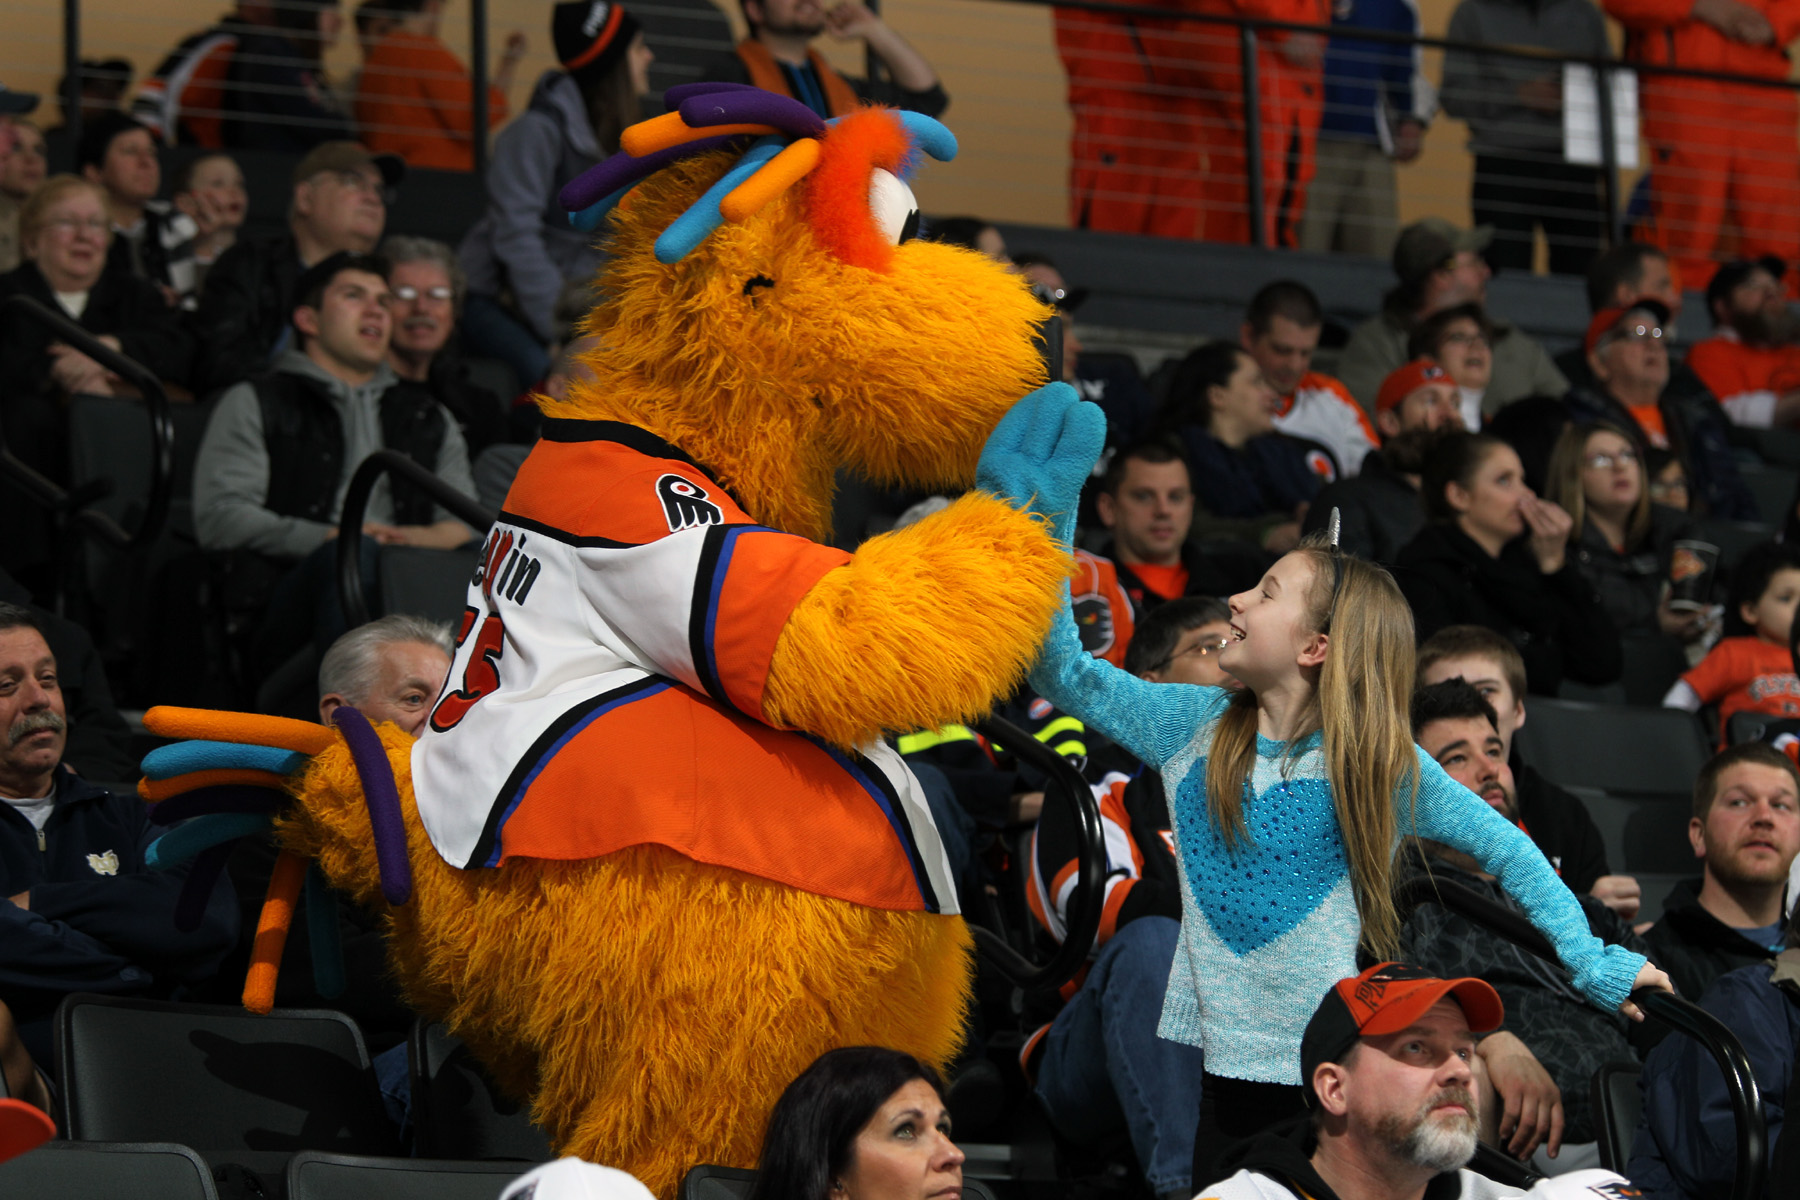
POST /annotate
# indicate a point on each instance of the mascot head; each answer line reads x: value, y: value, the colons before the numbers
x: 767, y: 307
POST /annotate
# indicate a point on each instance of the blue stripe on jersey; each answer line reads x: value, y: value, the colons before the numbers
x: 638, y: 692
x: 721, y: 567
x: 902, y: 830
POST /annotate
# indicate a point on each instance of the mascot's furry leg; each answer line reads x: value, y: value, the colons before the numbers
x: 617, y: 970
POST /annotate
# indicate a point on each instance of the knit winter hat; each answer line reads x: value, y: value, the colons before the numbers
x: 591, y: 36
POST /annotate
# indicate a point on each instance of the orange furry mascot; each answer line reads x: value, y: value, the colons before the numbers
x: 651, y: 856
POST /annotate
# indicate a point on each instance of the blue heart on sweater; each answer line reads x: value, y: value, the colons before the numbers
x: 1293, y: 860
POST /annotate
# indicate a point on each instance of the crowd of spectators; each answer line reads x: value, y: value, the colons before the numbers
x: 1536, y: 513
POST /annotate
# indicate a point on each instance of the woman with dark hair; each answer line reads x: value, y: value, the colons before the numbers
x: 523, y: 252
x: 276, y: 93
x: 861, y: 1123
x: 1623, y: 543
x: 1253, y: 482
x: 1495, y: 555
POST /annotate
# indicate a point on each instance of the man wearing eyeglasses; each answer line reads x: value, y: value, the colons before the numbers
x: 339, y: 204
x: 1752, y: 361
x: 1628, y: 352
x: 426, y: 286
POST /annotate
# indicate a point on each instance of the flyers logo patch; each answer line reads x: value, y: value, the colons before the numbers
x: 685, y: 504
x: 1094, y: 621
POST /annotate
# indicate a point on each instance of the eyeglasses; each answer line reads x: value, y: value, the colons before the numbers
x: 1206, y: 648
x: 406, y: 293
x: 1606, y: 462
x: 1667, y: 487
x: 1636, y: 333
x: 77, y: 224
x: 1465, y: 339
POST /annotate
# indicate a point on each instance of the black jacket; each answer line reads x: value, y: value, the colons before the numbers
x: 1555, y: 620
x: 276, y: 99
x: 99, y: 921
x: 1694, y: 946
x: 481, y: 415
x: 1558, y: 824
x: 1630, y: 585
x: 133, y: 310
x: 244, y: 309
x: 1380, y: 511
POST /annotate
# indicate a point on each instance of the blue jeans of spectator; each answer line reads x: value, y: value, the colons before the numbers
x: 393, y: 1074
x: 490, y: 331
x: 1105, y: 1069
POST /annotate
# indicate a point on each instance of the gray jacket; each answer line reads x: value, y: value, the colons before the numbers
x: 231, y: 474
x: 1521, y: 366
x: 524, y: 242
x: 1484, y: 89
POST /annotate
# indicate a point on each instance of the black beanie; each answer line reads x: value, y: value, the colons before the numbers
x: 591, y: 36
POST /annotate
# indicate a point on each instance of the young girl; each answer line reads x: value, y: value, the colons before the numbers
x: 1752, y: 671
x: 1288, y: 799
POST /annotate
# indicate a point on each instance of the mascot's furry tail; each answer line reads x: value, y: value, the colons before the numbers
x: 650, y: 1008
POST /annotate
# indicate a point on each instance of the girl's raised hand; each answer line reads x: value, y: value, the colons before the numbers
x: 1648, y: 976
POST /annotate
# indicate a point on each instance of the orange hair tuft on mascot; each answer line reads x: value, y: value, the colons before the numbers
x: 651, y: 855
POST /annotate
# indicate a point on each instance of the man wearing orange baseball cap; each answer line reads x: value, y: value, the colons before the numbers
x: 1379, y: 508
x: 1387, y: 1061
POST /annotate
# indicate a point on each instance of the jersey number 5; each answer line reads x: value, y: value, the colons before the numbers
x: 480, y: 677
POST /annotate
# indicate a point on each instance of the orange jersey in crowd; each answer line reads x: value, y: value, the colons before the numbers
x: 1746, y: 380
x: 414, y: 100
x: 1322, y: 410
x: 1747, y: 674
x: 1102, y: 610
x: 607, y: 690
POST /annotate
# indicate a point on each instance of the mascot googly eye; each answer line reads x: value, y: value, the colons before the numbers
x: 893, y: 206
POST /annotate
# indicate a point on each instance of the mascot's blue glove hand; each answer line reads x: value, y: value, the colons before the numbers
x: 1041, y: 454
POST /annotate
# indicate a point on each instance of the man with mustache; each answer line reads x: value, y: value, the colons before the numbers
x: 1746, y: 833
x: 79, y: 910
x: 1388, y: 1062
x: 1751, y: 362
x: 426, y: 285
x: 1548, y: 1022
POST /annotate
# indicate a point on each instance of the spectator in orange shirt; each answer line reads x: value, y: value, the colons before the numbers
x: 415, y: 99
x: 1751, y: 362
x: 1753, y: 670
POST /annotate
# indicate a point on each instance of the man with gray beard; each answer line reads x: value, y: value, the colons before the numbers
x: 79, y: 909
x: 1388, y: 1062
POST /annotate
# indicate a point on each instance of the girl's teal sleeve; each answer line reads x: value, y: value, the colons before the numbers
x: 1152, y: 720
x: 1450, y: 813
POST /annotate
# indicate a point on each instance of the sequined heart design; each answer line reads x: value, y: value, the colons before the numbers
x: 1257, y: 893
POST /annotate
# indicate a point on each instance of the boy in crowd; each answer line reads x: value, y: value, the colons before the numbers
x: 1753, y: 670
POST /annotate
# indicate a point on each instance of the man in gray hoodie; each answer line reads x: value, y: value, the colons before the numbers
x: 1515, y: 113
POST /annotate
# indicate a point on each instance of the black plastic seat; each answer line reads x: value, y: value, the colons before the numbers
x: 313, y: 1175
x: 237, y: 1087
x: 426, y: 583
x: 108, y: 1171
x: 457, y: 1112
x: 1618, y: 1103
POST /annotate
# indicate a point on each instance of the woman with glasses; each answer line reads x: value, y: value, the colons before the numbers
x: 1461, y: 340
x: 64, y: 234
x: 1622, y: 541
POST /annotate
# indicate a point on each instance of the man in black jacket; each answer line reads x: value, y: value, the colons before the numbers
x: 1746, y: 833
x: 339, y: 204
x: 81, y: 913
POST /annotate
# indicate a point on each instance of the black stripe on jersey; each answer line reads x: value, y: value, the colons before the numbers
x: 531, y: 759
x: 562, y: 535
x: 569, y: 429
x: 699, y: 629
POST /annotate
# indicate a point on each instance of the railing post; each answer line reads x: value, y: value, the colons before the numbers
x: 71, y: 93
x: 478, y: 63
x: 1609, y: 157
x: 1253, y: 163
x: 873, y: 68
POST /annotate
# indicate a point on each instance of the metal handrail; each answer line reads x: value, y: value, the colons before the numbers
x: 351, y: 593
x: 1085, y: 903
x: 1684, y: 1015
x: 162, y: 436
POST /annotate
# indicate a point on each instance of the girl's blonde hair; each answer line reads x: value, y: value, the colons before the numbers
x: 1569, y: 459
x: 1361, y: 707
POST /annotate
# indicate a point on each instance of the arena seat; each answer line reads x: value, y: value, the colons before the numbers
x: 426, y: 583
x: 237, y: 1087
x: 457, y: 1112
x: 734, y: 1183
x: 1634, y: 768
x: 1617, y: 1105
x: 108, y: 1171
x: 1735, y: 538
x: 313, y: 1175
x: 1773, y: 486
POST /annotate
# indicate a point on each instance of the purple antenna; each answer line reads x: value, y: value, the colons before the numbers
x: 622, y: 170
x: 754, y: 107
x: 382, y: 796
